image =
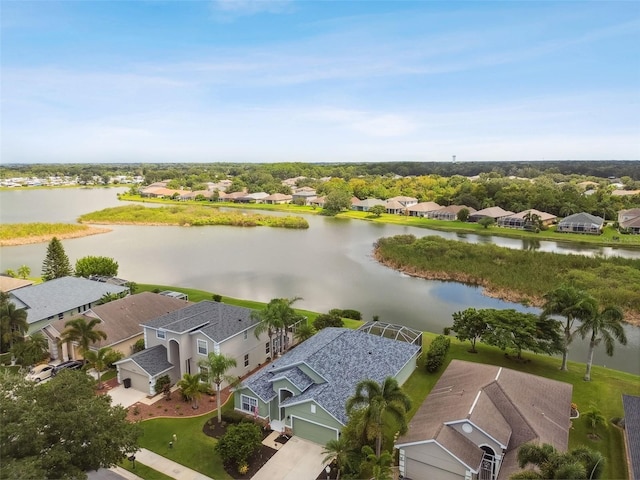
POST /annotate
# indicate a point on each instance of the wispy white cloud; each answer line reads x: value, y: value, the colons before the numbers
x: 229, y: 10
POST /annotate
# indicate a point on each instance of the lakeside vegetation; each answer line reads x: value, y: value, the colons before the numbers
x: 24, y: 233
x: 187, y: 215
x: 522, y: 276
x: 604, y: 392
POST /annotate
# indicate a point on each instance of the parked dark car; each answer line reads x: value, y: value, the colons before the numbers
x: 68, y: 365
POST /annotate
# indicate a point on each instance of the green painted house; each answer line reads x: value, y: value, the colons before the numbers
x: 305, y: 391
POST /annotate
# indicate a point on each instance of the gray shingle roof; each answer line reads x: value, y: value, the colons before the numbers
x: 582, y: 218
x: 297, y: 377
x: 631, y: 406
x: 61, y: 295
x: 341, y: 356
x: 216, y: 320
x: 152, y: 360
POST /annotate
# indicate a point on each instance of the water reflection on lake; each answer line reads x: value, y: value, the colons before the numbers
x: 329, y: 265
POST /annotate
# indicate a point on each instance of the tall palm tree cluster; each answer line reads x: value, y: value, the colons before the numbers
x: 599, y: 324
x: 377, y: 413
x: 277, y: 319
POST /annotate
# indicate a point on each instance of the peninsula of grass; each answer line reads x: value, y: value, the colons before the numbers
x: 522, y: 276
x: 187, y: 215
x: 12, y: 234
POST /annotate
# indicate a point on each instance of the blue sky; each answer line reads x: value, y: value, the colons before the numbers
x: 278, y: 80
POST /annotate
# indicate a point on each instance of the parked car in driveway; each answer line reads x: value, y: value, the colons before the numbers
x: 68, y: 365
x: 40, y: 372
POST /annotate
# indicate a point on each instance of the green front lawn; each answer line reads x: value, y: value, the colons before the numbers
x: 143, y: 471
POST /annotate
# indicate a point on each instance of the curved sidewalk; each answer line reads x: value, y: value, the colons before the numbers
x: 168, y: 467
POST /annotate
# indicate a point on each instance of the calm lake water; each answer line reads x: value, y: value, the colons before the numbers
x: 329, y: 265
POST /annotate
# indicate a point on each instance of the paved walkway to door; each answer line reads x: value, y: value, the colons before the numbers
x: 297, y: 459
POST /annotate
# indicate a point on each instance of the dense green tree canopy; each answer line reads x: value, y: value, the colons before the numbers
x: 60, y: 429
x: 105, y: 266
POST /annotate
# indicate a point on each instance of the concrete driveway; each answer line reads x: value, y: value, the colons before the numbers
x: 126, y: 396
x: 297, y: 459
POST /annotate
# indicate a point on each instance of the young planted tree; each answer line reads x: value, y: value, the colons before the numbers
x: 31, y: 350
x: 100, y: 360
x: 24, y: 271
x: 469, y: 325
x: 338, y: 451
x: 84, y: 332
x: 191, y: 388
x: 217, y: 366
x: 571, y: 303
x: 56, y: 263
x: 239, y: 443
x: 603, y: 325
x: 381, y: 404
x: 594, y: 419
x: 377, y: 210
x: 380, y: 465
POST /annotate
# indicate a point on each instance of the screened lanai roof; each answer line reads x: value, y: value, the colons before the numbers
x: 395, y: 332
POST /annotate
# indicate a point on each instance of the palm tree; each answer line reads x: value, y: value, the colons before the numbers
x: 13, y: 321
x: 379, y: 403
x: 304, y: 331
x: 578, y: 463
x: 275, y: 319
x: 191, y: 388
x: 83, y: 332
x: 380, y: 464
x: 101, y: 359
x: 604, y: 325
x: 338, y: 450
x: 217, y: 366
x: 594, y: 418
x: 31, y: 349
x: 572, y: 304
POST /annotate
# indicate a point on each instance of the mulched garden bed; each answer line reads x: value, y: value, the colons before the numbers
x: 214, y: 429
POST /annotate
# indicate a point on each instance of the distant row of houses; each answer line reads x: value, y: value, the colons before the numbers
x: 66, y: 180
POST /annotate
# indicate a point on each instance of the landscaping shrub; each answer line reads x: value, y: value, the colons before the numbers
x: 352, y: 314
x: 437, y: 352
x: 239, y: 443
x: 216, y: 297
x: 161, y: 382
x: 138, y: 346
x: 327, y: 320
x: 232, y: 417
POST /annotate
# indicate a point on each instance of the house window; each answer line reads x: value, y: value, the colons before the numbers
x: 246, y: 334
x: 313, y: 408
x: 249, y: 404
x: 246, y: 360
x: 161, y: 334
x: 203, y: 348
x: 266, y: 348
x: 61, y: 316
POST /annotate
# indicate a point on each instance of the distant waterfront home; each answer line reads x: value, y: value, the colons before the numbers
x: 60, y: 299
x: 520, y: 219
x: 581, y: 223
x: 624, y: 193
x: 365, y: 205
x: 422, y: 209
x: 491, y: 212
x: 230, y: 197
x: 277, y: 198
x: 448, y: 213
x: 629, y: 220
x: 404, y: 201
x: 256, y: 197
x: 120, y: 319
x: 475, y: 419
x: 318, y: 202
x: 394, y: 207
x: 177, y: 341
x: 304, y: 195
x: 631, y: 407
x: 305, y: 390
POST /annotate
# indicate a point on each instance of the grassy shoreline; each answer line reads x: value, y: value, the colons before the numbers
x: 14, y: 234
x: 607, y: 239
x: 604, y: 391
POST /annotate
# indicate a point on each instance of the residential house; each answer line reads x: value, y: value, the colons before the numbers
x: 256, y: 197
x: 624, y: 193
x: 404, y: 201
x: 318, y: 202
x: 60, y: 299
x: 629, y: 220
x: 422, y: 209
x: 304, y: 195
x: 365, y: 205
x: 305, y: 390
x: 521, y: 219
x: 475, y: 419
x: 631, y: 408
x: 581, y: 223
x: 120, y: 319
x: 448, y: 213
x: 491, y: 212
x: 177, y: 341
x: 277, y: 198
x: 394, y: 207
x: 8, y: 283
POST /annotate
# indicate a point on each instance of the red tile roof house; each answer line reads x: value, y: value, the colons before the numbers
x: 476, y: 418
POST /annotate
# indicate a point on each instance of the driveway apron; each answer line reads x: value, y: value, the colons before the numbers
x: 297, y: 459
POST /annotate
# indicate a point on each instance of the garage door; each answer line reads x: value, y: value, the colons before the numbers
x: 419, y: 471
x: 139, y: 382
x: 313, y: 432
